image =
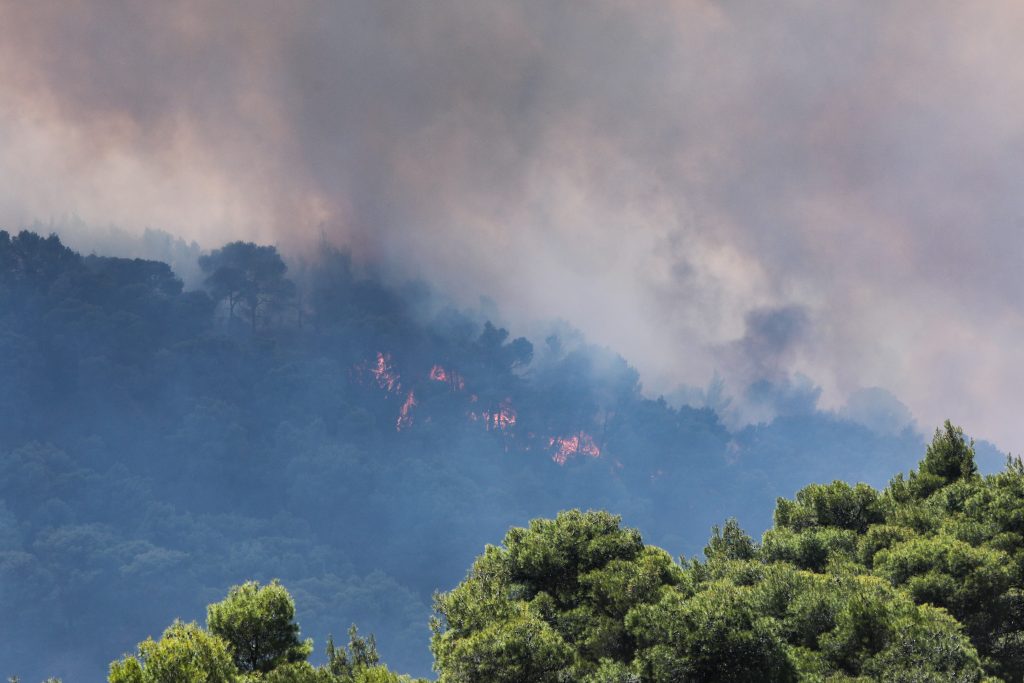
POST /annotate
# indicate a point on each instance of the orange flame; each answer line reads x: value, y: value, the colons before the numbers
x: 502, y: 419
x: 568, y: 447
x: 404, y: 415
x: 452, y: 378
x: 385, y: 375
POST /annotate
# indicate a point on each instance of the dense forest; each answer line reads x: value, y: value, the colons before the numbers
x: 362, y: 441
x: 922, y: 581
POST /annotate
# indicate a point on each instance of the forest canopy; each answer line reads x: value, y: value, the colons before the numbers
x: 921, y: 581
x: 158, y: 446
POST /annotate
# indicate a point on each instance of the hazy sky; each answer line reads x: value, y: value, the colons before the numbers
x: 766, y: 189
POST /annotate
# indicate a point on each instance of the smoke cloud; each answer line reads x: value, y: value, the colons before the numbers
x: 772, y: 191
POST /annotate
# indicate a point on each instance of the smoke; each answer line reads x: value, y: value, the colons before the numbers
x: 658, y: 174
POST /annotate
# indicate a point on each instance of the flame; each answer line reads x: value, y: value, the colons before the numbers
x: 568, y: 447
x: 504, y: 417
x: 404, y: 415
x: 385, y: 375
x: 451, y: 378
x: 501, y: 419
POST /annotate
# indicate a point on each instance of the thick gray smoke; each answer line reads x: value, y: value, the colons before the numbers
x: 661, y: 175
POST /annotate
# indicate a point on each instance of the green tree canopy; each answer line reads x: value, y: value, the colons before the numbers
x: 252, y: 638
x: 551, y: 603
x: 258, y: 625
x: 184, y: 654
x: 920, y: 582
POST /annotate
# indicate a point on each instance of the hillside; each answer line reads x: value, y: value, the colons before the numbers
x: 358, y: 440
x: 921, y: 581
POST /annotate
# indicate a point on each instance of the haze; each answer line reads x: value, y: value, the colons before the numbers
x: 816, y: 195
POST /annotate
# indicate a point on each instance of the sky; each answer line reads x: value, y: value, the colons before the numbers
x: 821, y: 198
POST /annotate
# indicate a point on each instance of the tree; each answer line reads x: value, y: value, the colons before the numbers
x: 517, y: 353
x: 551, y: 604
x: 258, y: 625
x: 836, y: 505
x: 252, y: 639
x: 250, y: 275
x: 730, y: 543
x: 184, y: 654
x: 347, y: 662
x: 949, y: 458
x: 717, y: 635
x: 838, y: 590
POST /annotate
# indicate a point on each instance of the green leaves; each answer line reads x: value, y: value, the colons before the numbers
x: 185, y: 654
x: 718, y: 634
x: 551, y: 555
x: 943, y: 537
x: 522, y: 647
x: 550, y: 603
x: 730, y: 543
x: 258, y: 624
x: 921, y: 582
x: 252, y: 638
x: 949, y: 456
x: 836, y: 505
x: 852, y: 584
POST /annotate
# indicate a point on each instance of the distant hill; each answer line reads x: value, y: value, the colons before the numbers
x: 357, y: 440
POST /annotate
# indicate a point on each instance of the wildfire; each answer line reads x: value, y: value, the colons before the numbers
x: 386, y: 376
x: 500, y: 419
x: 451, y: 378
x: 568, y: 447
x: 404, y: 415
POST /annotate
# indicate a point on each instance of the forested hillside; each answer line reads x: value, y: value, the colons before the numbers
x: 359, y: 441
x: 922, y: 581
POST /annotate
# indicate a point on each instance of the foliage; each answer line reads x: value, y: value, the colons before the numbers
x: 184, y: 654
x: 156, y: 446
x: 920, y: 582
x: 250, y: 275
x: 258, y: 624
x: 550, y: 603
x: 251, y: 639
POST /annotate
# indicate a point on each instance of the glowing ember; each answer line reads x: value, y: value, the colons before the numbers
x: 404, y: 415
x: 568, y: 447
x: 452, y: 378
x: 504, y: 417
x: 500, y: 420
x: 384, y: 374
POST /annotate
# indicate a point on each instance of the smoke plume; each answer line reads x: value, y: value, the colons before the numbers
x: 662, y: 175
